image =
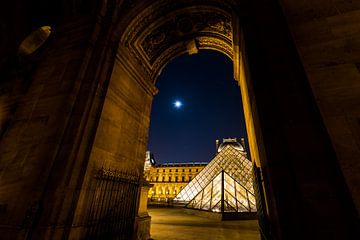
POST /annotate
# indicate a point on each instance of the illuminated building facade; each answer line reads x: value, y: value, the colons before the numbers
x: 170, y: 178
x: 225, y: 184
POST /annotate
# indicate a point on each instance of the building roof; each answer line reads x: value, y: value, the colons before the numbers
x: 189, y: 164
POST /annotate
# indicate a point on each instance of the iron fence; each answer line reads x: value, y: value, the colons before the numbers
x: 113, y: 206
x: 264, y: 225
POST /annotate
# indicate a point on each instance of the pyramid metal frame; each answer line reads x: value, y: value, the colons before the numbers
x: 224, y: 185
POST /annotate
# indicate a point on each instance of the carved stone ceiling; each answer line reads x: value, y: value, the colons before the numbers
x: 164, y: 31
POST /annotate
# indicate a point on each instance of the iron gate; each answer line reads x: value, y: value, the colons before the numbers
x: 113, y: 206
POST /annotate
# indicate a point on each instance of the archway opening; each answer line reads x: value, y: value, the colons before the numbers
x: 198, y: 104
x: 149, y: 42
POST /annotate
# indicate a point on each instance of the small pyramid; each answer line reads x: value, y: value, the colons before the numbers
x: 225, y: 184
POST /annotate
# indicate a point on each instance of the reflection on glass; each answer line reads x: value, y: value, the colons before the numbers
x: 228, y: 175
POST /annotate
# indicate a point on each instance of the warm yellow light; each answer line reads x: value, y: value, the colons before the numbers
x: 35, y: 40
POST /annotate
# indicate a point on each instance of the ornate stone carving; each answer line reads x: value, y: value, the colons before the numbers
x: 184, y: 27
x: 164, y: 58
x: 161, y: 32
x: 216, y: 44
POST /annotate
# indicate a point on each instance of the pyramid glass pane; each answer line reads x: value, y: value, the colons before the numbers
x: 231, y: 200
x: 217, y: 207
x: 206, y: 197
x: 229, y: 177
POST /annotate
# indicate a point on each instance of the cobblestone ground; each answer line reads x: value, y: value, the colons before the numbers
x: 174, y: 224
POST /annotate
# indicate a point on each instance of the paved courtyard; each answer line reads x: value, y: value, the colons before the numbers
x: 174, y: 224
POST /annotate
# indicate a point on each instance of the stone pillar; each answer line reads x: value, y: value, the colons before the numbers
x: 46, y: 148
x: 305, y: 190
x: 38, y: 151
x: 143, y: 220
x: 121, y: 135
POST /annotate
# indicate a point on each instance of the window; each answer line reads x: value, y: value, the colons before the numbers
x: 183, y: 170
x: 190, y: 170
x: 176, y: 179
x: 197, y: 170
x: 170, y: 170
x: 157, y: 179
x: 169, y: 179
x: 189, y: 178
x: 163, y: 170
x: 157, y: 170
x: 183, y: 179
x: 176, y: 170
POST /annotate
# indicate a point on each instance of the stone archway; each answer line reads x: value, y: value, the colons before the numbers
x: 157, y: 34
x: 155, y: 37
x: 166, y: 29
x: 89, y: 104
x: 275, y: 101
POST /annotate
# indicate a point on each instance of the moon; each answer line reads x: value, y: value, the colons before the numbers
x: 178, y: 104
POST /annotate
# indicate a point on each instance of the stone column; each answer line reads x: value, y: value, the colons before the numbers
x: 305, y: 190
x: 143, y: 220
x: 121, y: 135
x: 46, y: 148
x: 41, y: 144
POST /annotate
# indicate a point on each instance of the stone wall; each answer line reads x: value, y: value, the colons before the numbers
x: 121, y: 136
x: 303, y: 181
x: 30, y: 147
x: 327, y: 39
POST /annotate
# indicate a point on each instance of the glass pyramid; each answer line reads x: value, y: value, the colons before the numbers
x: 224, y: 185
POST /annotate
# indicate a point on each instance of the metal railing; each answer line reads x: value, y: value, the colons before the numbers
x: 264, y: 225
x: 113, y: 205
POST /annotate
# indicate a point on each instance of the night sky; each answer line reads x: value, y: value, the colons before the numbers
x: 211, y: 108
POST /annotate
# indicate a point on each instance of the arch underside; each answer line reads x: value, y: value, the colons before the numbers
x: 153, y: 38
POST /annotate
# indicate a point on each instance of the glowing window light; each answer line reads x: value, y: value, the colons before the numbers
x: 205, y: 191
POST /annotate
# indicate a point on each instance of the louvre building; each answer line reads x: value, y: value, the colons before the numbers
x: 168, y: 179
x: 225, y: 185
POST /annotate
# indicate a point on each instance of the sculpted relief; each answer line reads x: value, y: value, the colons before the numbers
x: 185, y: 27
x: 162, y: 35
